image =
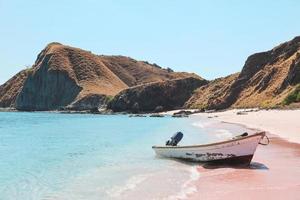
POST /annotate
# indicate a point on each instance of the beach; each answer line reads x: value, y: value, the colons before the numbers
x: 284, y: 123
x: 46, y: 155
x: 275, y: 169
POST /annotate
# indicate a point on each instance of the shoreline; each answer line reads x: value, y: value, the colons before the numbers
x: 283, y: 123
x: 272, y: 174
x: 274, y: 170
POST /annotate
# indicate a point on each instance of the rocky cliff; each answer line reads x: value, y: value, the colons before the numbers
x: 10, y: 90
x: 266, y: 79
x: 67, y: 77
x: 213, y: 94
x: 64, y: 77
x: 156, y: 96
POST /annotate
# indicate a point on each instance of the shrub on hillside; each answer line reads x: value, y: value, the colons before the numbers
x: 294, y: 96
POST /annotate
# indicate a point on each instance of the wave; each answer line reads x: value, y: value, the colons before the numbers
x: 188, y: 187
x: 130, y: 185
x: 202, y: 124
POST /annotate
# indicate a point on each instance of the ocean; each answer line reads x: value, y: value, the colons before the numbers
x: 53, y: 156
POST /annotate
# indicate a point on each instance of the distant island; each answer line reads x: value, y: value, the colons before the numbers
x: 71, y: 79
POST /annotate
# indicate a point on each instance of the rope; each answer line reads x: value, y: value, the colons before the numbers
x: 267, y: 140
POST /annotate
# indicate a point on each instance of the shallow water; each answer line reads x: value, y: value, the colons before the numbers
x: 71, y: 156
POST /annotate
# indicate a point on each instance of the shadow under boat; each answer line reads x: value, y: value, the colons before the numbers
x: 234, y: 164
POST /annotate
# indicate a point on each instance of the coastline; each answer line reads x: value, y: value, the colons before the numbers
x: 283, y: 123
x: 274, y: 170
x: 273, y: 173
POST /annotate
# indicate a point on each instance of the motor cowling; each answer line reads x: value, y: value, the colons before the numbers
x: 175, y: 139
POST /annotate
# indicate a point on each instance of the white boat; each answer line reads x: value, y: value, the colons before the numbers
x: 238, y: 150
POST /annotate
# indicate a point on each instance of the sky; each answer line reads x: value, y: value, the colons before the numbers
x: 211, y: 38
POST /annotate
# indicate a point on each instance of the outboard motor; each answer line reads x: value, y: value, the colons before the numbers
x: 240, y: 136
x: 175, y: 139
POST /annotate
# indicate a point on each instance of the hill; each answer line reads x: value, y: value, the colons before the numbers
x: 157, y: 96
x: 65, y: 77
x: 266, y: 80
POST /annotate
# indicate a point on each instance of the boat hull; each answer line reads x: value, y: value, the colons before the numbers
x: 236, y: 151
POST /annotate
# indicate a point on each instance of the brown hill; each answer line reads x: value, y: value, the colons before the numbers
x: 212, y: 94
x: 67, y: 77
x: 133, y: 72
x: 266, y: 79
x: 156, y: 96
x: 63, y: 75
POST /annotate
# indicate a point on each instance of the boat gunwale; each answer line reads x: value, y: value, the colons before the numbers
x: 262, y: 133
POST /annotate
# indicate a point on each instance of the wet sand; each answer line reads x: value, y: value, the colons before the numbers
x: 284, y: 123
x: 273, y: 174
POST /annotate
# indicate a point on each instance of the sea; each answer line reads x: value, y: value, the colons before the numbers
x: 55, y: 156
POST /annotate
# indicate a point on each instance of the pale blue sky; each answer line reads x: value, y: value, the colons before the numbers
x: 211, y: 38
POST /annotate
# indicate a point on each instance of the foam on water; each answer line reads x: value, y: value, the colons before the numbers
x: 130, y: 185
x: 203, y: 124
x: 188, y: 187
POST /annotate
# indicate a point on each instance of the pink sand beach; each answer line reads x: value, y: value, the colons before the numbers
x: 275, y: 169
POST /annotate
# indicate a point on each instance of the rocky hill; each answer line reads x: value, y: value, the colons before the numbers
x: 10, y: 90
x: 133, y: 72
x: 211, y: 95
x: 68, y: 77
x: 266, y: 80
x: 64, y: 77
x: 157, y: 96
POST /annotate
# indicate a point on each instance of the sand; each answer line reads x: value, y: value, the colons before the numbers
x: 274, y: 174
x: 275, y: 169
x: 284, y: 123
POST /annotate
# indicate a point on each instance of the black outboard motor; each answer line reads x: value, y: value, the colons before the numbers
x: 175, y: 139
x: 240, y: 136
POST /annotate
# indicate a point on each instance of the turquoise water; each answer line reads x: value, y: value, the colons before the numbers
x: 72, y: 156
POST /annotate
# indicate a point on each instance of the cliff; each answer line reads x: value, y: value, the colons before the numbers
x: 156, y: 96
x: 67, y: 77
x: 266, y: 80
x: 213, y: 94
x: 10, y: 90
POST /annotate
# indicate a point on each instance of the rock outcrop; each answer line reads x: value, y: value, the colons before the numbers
x: 89, y: 102
x: 213, y: 94
x: 67, y: 77
x: 10, y: 90
x: 165, y: 95
x: 265, y: 81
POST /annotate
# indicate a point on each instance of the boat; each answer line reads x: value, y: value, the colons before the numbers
x: 237, y: 150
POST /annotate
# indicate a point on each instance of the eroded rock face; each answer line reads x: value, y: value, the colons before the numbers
x: 265, y: 81
x: 90, y: 102
x: 213, y: 94
x: 47, y: 90
x: 267, y: 78
x: 10, y: 90
x: 63, y: 76
x: 146, y: 98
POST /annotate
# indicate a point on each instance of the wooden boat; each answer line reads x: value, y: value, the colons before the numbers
x: 238, y: 150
